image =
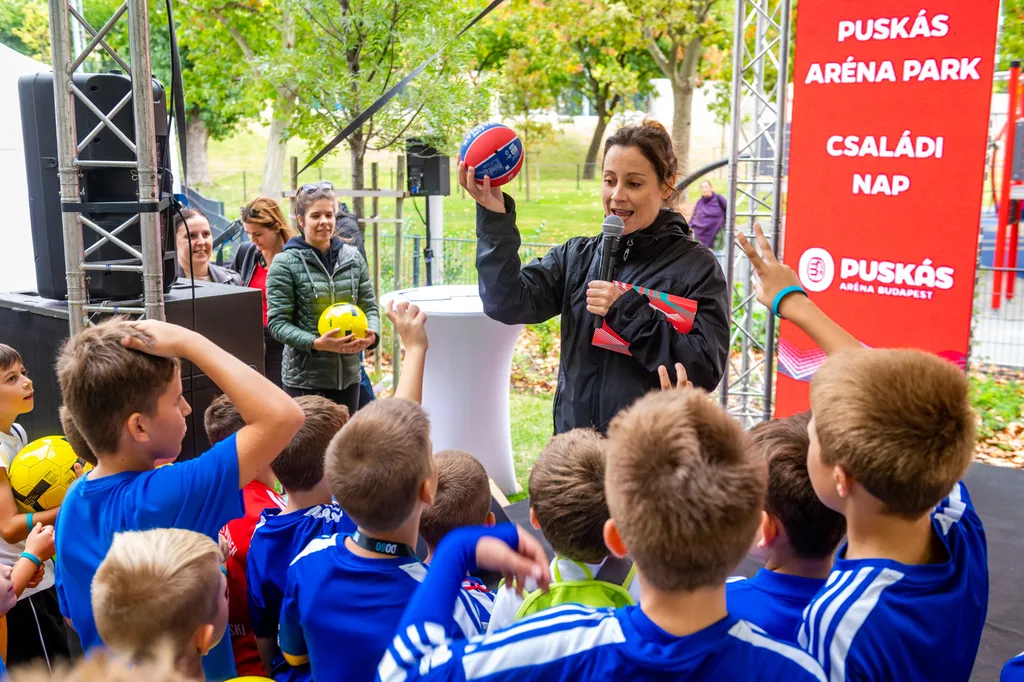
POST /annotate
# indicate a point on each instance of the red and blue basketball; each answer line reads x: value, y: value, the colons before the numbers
x: 494, y: 150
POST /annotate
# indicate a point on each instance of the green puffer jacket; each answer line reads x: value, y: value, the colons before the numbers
x: 299, y: 289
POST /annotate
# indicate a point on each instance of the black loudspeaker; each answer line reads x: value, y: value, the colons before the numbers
x: 110, y: 185
x: 230, y: 316
x: 426, y: 170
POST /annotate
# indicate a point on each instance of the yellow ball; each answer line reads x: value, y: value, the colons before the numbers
x: 347, y: 318
x: 250, y: 678
x: 42, y: 472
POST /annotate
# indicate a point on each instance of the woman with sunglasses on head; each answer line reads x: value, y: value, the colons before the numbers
x: 268, y: 231
x: 312, y: 272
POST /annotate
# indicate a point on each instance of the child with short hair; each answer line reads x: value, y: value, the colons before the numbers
x: 282, y: 533
x: 685, y: 494
x: 892, y: 434
x: 121, y: 383
x: 797, y: 538
x: 222, y: 419
x: 35, y: 629
x: 312, y: 514
x: 160, y: 588
x: 568, y: 505
x: 463, y: 498
x: 345, y: 593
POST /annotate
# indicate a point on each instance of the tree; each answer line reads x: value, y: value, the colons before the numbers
x: 1011, y: 35
x: 240, y: 46
x: 353, y: 52
x: 675, y: 31
x: 611, y: 58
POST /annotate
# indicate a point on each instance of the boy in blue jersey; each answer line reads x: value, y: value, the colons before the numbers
x: 162, y: 589
x: 685, y: 494
x: 892, y: 434
x: 798, y: 534
x: 281, y: 534
x: 121, y: 384
x: 463, y: 498
x: 345, y: 593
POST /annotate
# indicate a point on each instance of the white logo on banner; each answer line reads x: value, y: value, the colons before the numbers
x: 817, y: 269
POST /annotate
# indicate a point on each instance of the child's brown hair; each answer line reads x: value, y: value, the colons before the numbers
x: 567, y: 495
x: 300, y: 466
x: 463, y: 496
x: 814, y: 531
x: 221, y: 419
x: 103, y: 383
x: 377, y: 462
x: 684, y: 489
x: 74, y: 437
x: 8, y: 357
x: 898, y: 421
x: 155, y: 586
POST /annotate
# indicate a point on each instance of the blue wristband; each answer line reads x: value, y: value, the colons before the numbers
x: 33, y: 558
x: 783, y: 294
x: 29, y: 522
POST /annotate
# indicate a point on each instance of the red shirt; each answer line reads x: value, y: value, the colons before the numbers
x: 259, y: 281
x: 256, y: 497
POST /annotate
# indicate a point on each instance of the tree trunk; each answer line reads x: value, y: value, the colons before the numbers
x: 196, y: 143
x: 284, y: 103
x: 590, y: 164
x: 357, y: 146
x: 683, y: 85
x: 277, y: 148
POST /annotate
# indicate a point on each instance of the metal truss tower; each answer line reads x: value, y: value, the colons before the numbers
x: 756, y: 166
x: 147, y: 260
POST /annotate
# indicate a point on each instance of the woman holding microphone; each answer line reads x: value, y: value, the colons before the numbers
x: 656, y: 252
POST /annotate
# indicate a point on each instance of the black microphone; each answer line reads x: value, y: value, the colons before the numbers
x: 611, y: 229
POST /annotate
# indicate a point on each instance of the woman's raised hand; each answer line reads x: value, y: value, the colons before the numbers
x: 485, y: 195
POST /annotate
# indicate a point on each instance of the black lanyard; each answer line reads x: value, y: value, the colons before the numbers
x: 397, y: 549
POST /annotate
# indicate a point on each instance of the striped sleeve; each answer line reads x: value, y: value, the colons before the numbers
x: 421, y: 645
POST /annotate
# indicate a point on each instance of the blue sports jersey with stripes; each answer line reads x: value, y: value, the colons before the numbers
x: 877, y: 619
x: 340, y: 610
x: 573, y: 642
x: 1013, y: 671
x: 773, y: 601
x: 277, y: 540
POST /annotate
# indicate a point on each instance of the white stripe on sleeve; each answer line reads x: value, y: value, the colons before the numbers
x: 854, y: 618
x: 744, y: 632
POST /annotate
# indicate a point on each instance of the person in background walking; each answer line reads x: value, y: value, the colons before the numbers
x: 268, y: 232
x: 708, y: 215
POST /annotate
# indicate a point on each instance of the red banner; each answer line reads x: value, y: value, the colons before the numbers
x: 887, y: 155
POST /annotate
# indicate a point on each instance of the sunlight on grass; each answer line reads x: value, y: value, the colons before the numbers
x: 532, y: 427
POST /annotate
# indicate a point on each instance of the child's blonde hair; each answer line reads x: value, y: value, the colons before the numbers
x: 156, y: 586
x: 104, y: 666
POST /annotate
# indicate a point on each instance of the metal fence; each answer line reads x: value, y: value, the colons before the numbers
x: 997, y: 334
x: 457, y: 256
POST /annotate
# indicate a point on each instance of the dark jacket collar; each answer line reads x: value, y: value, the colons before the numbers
x: 666, y: 229
x: 329, y: 259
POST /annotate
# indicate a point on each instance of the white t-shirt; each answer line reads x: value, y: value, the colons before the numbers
x: 507, y: 602
x: 10, y: 444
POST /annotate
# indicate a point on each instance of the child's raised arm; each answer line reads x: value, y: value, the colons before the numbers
x: 408, y: 320
x: 796, y: 307
x: 271, y: 416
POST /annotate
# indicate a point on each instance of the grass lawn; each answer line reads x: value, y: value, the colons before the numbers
x: 531, y: 431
